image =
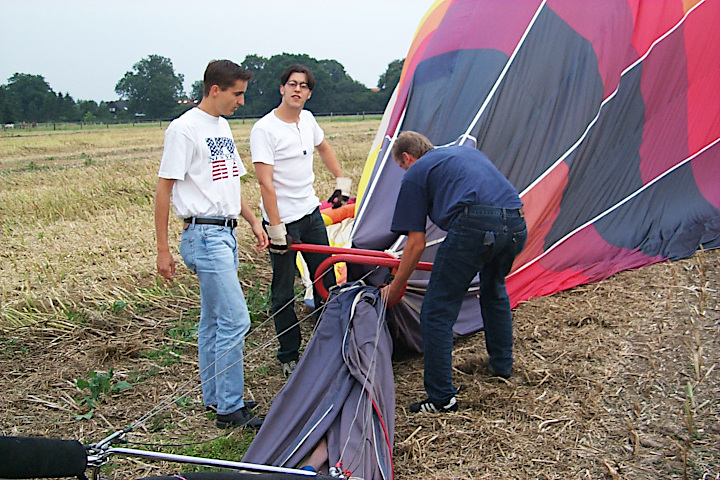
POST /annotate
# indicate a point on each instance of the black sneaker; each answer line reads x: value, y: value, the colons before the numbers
x: 426, y: 406
x: 495, y: 373
x: 288, y: 367
x: 238, y: 418
x: 250, y: 404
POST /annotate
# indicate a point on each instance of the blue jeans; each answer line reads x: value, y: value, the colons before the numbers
x: 309, y: 229
x: 482, y: 240
x: 212, y: 253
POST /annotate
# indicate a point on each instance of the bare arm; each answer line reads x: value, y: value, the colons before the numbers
x: 264, y: 174
x: 412, y: 252
x: 327, y: 154
x: 165, y: 261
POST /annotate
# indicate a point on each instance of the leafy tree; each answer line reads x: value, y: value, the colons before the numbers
x: 90, y: 111
x: 152, y: 87
x: 30, y: 99
x: 390, y: 79
x: 102, y: 112
x: 65, y: 109
x: 335, y: 91
x: 263, y: 93
x: 7, y: 114
x: 197, y: 91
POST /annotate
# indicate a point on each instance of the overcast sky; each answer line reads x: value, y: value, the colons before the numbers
x: 85, y: 47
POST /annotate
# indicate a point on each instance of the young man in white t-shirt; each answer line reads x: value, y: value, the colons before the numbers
x: 201, y: 170
x: 282, y: 145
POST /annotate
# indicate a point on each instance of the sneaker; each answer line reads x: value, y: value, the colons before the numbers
x: 427, y: 406
x: 288, y: 367
x: 495, y: 373
x: 250, y: 404
x: 238, y: 418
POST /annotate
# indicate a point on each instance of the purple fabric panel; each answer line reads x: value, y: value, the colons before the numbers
x: 405, y: 324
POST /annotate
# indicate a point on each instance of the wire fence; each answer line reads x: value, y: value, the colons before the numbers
x: 10, y: 128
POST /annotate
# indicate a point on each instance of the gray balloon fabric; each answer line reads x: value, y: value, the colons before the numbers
x: 342, y: 390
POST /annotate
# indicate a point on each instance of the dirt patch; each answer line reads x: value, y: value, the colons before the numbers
x: 613, y: 380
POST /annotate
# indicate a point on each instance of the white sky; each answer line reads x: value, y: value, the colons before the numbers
x: 84, y: 47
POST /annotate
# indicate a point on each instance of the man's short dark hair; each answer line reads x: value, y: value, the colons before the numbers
x: 224, y: 74
x: 410, y: 142
x: 298, y: 69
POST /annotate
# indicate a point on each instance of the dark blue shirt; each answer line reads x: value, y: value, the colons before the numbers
x: 442, y: 182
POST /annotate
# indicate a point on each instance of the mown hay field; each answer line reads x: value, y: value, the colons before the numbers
x: 617, y: 380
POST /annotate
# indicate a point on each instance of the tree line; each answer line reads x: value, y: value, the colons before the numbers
x: 153, y: 90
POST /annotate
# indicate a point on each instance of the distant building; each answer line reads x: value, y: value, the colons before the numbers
x: 118, y: 106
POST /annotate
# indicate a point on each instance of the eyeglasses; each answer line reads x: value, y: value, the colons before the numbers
x: 293, y: 84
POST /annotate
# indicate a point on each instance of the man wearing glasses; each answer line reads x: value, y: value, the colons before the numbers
x: 282, y: 145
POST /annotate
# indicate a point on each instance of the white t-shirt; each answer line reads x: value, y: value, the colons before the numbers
x: 289, y: 148
x: 199, y: 152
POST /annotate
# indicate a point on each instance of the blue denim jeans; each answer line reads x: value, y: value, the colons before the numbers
x: 482, y: 240
x: 309, y: 229
x: 212, y: 253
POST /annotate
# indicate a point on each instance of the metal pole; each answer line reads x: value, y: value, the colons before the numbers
x: 207, y: 462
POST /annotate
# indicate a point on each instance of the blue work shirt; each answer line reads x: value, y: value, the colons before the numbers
x: 442, y: 182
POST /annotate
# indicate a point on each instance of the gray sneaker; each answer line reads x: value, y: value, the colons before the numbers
x: 288, y: 368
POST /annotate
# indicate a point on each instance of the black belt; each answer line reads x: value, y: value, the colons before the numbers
x: 223, y: 222
x: 500, y: 211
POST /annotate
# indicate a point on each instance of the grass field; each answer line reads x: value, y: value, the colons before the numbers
x: 617, y: 380
x: 77, y: 216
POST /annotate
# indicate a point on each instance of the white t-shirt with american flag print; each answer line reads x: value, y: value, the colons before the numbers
x: 199, y: 152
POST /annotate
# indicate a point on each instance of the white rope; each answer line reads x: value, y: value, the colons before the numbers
x: 176, y: 395
x: 181, y: 391
x: 370, y: 377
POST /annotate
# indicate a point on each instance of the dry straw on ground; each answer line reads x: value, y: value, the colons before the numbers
x: 617, y: 380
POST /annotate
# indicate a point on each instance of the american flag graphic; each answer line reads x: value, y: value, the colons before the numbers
x: 222, y: 149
